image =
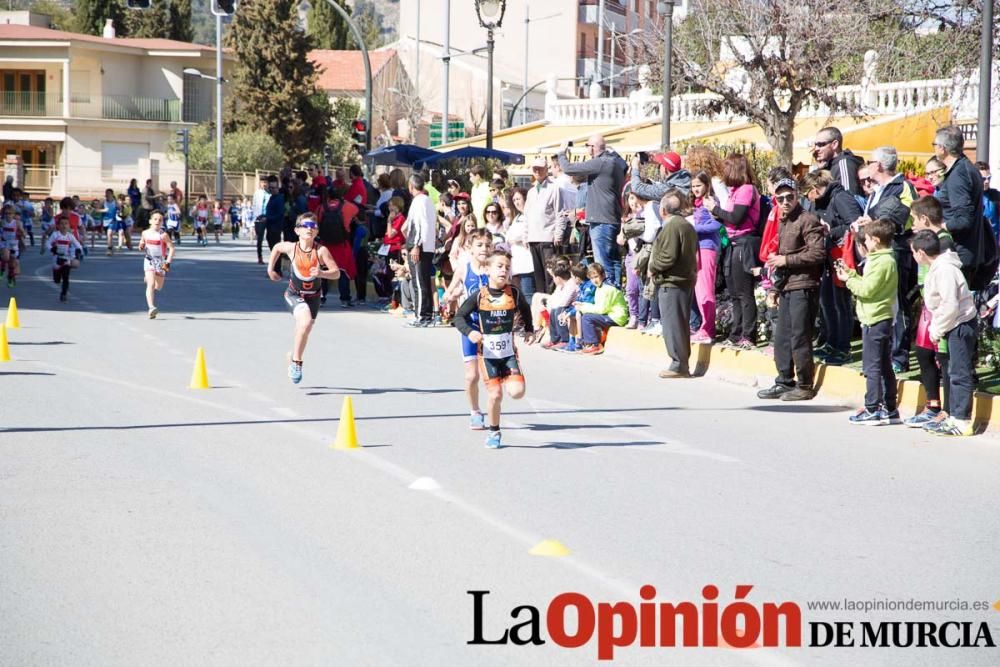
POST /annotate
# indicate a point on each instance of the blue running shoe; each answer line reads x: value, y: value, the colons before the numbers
x: 477, y: 422
x: 493, y: 440
x: 919, y: 419
x: 868, y: 418
x: 295, y: 372
x: 892, y: 416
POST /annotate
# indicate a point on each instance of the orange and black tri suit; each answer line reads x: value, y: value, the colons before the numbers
x: 301, y: 288
x: 497, y: 310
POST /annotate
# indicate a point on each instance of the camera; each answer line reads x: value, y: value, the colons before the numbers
x: 569, y: 144
x: 643, y: 157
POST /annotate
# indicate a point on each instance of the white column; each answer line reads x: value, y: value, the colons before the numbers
x: 65, y: 88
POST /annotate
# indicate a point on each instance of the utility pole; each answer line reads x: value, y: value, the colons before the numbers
x: 218, y: 108
x: 985, y: 83
x: 445, y: 126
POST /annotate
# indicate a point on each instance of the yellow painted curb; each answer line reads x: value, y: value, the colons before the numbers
x: 752, y: 367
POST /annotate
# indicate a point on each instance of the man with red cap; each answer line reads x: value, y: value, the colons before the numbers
x: 671, y: 175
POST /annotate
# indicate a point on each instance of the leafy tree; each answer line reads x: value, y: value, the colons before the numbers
x: 327, y: 28
x: 181, y: 28
x: 274, y: 84
x: 242, y: 150
x: 343, y: 112
x: 91, y: 14
x: 152, y: 22
x: 369, y: 22
x: 60, y: 17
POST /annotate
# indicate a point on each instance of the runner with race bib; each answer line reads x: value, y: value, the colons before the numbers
x: 66, y: 253
x: 159, y: 253
x: 496, y: 307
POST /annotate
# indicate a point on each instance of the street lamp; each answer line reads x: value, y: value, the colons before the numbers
x: 219, y: 80
x: 666, y: 9
x: 490, y: 14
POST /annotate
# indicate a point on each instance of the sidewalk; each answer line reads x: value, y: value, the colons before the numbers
x: 843, y: 385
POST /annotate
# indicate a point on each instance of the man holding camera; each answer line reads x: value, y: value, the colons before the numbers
x: 670, y: 172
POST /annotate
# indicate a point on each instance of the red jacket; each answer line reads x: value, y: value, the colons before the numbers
x: 396, y: 242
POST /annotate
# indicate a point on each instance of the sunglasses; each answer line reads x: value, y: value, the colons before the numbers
x: 820, y: 144
x: 492, y: 211
x: 308, y: 224
x: 785, y: 199
x: 868, y: 180
x: 934, y: 172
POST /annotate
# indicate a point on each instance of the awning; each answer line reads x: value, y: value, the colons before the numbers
x: 531, y: 137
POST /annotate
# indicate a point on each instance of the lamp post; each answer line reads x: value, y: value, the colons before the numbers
x: 219, y: 80
x: 985, y: 87
x: 666, y: 9
x: 490, y: 14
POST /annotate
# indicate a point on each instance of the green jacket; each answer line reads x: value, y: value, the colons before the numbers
x: 875, y: 291
x: 673, y: 261
x: 610, y: 301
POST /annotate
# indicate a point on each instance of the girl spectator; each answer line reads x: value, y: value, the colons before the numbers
x: 702, y: 158
x: 740, y: 216
x: 608, y: 310
x: 394, y: 237
x: 459, y: 251
x: 134, y: 194
x: 522, y: 266
x: 709, y: 243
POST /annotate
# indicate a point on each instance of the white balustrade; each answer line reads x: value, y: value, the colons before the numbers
x: 877, y: 100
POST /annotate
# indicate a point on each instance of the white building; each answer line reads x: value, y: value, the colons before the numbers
x: 83, y: 113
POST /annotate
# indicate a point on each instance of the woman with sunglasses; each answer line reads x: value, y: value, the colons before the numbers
x: 934, y: 171
x: 495, y: 223
x: 310, y: 264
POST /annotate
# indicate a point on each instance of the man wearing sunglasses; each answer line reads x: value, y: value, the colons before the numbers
x: 961, y: 197
x: 828, y: 152
x: 796, y: 269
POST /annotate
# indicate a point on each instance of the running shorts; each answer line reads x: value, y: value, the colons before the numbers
x: 154, y: 264
x: 498, y: 371
x: 470, y: 350
x: 295, y: 300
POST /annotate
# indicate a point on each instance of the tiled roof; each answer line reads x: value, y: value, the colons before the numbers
x: 36, y: 33
x: 344, y: 70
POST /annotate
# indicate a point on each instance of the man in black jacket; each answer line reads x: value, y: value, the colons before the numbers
x: 961, y: 197
x: 891, y: 199
x: 828, y: 151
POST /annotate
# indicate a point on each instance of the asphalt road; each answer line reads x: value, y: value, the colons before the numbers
x: 145, y: 523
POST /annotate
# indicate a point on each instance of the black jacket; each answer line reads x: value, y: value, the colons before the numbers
x: 838, y: 208
x: 844, y: 167
x: 605, y: 178
x: 961, y: 197
x: 894, y: 204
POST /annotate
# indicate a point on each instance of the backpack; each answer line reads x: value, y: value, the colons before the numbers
x: 331, y: 225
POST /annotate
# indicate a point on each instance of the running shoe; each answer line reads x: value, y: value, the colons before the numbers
x: 934, y: 424
x: 11, y: 281
x: 295, y: 371
x: 921, y: 418
x: 952, y: 426
x: 592, y: 349
x: 477, y: 422
x: 702, y: 339
x: 63, y: 296
x: 493, y: 440
x: 745, y: 344
x: 867, y: 417
x: 892, y: 416
x: 153, y: 312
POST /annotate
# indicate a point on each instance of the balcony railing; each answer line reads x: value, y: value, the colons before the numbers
x: 29, y: 104
x: 112, y: 107
x: 875, y: 100
x: 126, y: 107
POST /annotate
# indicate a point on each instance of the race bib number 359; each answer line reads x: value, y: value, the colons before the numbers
x: 498, y: 346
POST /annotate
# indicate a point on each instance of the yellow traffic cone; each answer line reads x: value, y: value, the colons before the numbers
x: 199, y: 376
x: 12, y: 320
x: 4, y: 348
x: 347, y: 436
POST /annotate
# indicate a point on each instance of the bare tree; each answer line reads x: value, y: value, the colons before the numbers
x: 477, y: 116
x: 767, y: 61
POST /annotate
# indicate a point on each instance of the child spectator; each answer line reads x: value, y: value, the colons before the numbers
x: 875, y: 295
x: 953, y: 318
x: 631, y: 229
x: 569, y: 318
x: 931, y: 358
x: 709, y: 245
x: 394, y: 237
x: 608, y: 310
x: 556, y: 303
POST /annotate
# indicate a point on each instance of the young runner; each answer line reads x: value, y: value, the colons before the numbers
x: 92, y: 219
x: 11, y: 235
x: 218, y: 220
x: 48, y: 221
x: 76, y: 224
x: 496, y: 306
x: 109, y: 211
x: 123, y: 218
x: 174, y: 219
x: 200, y: 213
x: 310, y: 263
x: 66, y: 251
x: 469, y: 278
x: 159, y: 253
x: 235, y: 218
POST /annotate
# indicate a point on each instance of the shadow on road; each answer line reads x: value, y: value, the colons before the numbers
x: 586, y: 445
x: 576, y: 427
x: 798, y: 407
x: 372, y: 391
x: 48, y: 342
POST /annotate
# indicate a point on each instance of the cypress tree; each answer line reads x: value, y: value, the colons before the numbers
x: 150, y: 22
x: 91, y: 14
x: 274, y: 84
x: 327, y: 28
x: 180, y: 21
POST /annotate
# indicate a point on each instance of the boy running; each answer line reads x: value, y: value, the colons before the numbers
x: 469, y: 278
x: 66, y: 252
x: 109, y: 214
x: 159, y: 253
x: 11, y: 234
x: 496, y: 306
x: 199, y: 212
x: 173, y: 219
x: 310, y: 263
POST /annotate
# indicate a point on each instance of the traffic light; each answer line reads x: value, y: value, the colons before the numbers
x: 359, y: 132
x: 223, y: 7
x: 327, y: 154
x: 182, y: 142
x: 138, y: 4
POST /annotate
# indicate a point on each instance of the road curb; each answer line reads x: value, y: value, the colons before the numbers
x: 845, y: 386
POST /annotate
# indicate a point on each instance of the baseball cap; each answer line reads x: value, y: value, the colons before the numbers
x: 786, y: 183
x: 670, y: 160
x: 539, y: 162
